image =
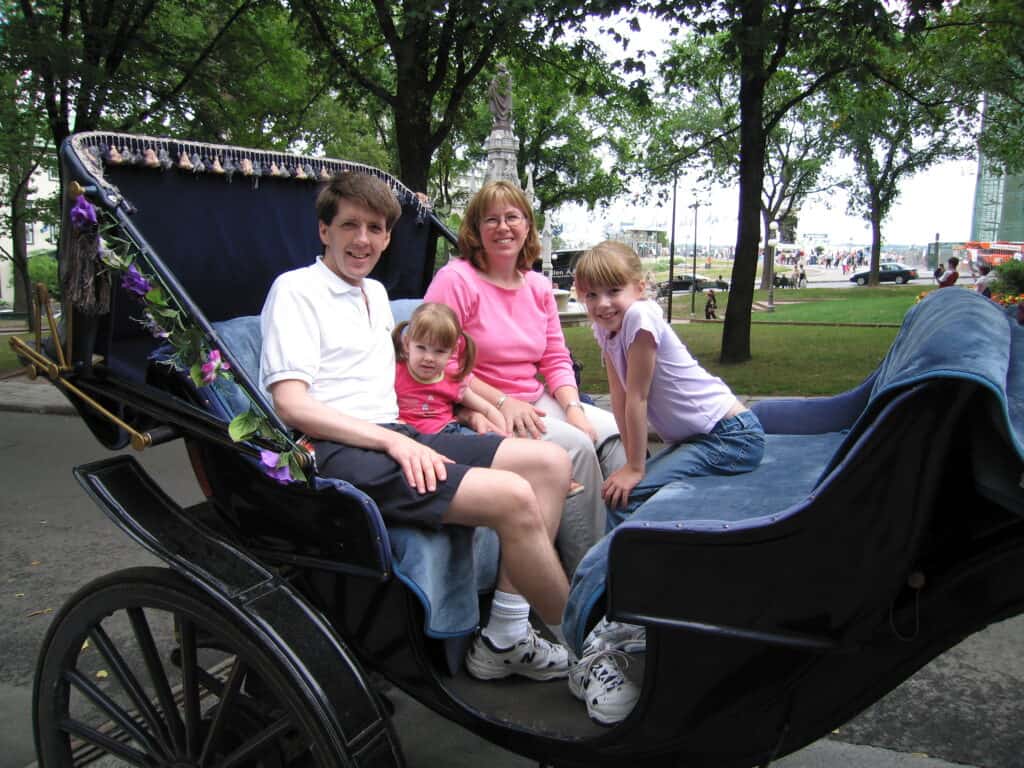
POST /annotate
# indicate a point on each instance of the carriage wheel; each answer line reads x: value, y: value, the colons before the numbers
x: 141, y: 667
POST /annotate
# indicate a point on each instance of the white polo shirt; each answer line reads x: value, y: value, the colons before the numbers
x: 318, y: 329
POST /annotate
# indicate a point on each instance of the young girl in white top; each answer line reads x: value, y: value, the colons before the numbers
x: 653, y: 378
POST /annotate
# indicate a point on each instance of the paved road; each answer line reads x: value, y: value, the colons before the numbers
x: 966, y: 707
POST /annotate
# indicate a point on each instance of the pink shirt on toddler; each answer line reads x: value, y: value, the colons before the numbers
x: 428, y: 407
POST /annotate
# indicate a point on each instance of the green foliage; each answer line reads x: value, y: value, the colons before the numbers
x: 42, y: 268
x: 1009, y: 278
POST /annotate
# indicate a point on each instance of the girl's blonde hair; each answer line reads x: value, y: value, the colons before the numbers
x: 471, y: 245
x: 436, y: 324
x: 607, y: 264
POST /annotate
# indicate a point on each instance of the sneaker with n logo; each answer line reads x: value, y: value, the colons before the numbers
x: 532, y: 657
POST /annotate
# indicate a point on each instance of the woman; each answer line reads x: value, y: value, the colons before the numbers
x: 510, y: 312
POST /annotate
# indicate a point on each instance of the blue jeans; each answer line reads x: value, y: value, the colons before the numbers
x: 733, y: 446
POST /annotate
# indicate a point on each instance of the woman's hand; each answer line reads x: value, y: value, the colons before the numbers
x: 619, y: 485
x: 578, y: 418
x: 523, y: 418
x: 423, y: 466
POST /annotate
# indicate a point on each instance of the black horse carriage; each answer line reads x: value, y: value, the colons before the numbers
x: 885, y: 525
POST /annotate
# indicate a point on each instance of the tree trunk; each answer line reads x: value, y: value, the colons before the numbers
x: 876, y: 248
x: 19, y: 257
x: 736, y: 329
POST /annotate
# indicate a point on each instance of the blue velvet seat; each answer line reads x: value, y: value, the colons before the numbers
x: 842, y: 494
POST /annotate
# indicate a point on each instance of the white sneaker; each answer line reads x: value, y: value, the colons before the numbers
x: 532, y: 657
x: 597, y: 680
x: 615, y: 636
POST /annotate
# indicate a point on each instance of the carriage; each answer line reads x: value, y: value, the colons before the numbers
x: 772, y: 616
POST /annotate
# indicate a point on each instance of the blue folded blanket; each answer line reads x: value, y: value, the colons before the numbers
x: 952, y: 333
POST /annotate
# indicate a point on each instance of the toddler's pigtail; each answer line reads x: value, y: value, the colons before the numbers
x: 396, y: 339
x: 468, y: 356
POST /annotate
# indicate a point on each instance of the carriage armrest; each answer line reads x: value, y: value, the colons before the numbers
x: 814, y: 415
x: 726, y: 583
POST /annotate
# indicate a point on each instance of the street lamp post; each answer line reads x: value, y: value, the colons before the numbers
x: 693, y: 275
x: 672, y: 244
x: 771, y: 243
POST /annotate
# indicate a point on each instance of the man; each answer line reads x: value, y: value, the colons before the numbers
x: 329, y: 365
x: 950, y: 276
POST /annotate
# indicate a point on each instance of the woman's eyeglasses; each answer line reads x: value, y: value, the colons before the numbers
x: 510, y: 219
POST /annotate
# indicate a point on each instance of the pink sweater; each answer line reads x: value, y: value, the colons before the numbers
x: 517, y: 332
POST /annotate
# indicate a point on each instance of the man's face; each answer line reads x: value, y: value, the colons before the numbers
x: 354, y: 241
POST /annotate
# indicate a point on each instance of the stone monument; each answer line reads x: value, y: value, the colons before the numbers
x: 502, y: 145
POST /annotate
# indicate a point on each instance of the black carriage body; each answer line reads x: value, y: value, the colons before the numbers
x: 761, y: 638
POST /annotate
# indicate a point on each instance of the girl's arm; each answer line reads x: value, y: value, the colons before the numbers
x: 633, y: 420
x: 474, y: 402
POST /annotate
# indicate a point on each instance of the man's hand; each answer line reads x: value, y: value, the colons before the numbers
x: 523, y: 418
x: 423, y: 466
x: 619, y: 485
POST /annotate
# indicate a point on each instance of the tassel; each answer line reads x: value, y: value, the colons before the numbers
x: 113, y: 155
x: 84, y: 282
x: 149, y: 158
x: 164, y: 159
x: 197, y: 163
x: 184, y: 162
x: 216, y: 167
x: 246, y: 166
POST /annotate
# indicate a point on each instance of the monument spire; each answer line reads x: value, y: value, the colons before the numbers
x: 502, y: 145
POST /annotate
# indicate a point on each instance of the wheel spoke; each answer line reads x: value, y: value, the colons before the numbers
x: 106, y: 743
x: 227, y: 701
x: 124, y: 720
x: 132, y: 687
x: 189, y: 683
x: 144, y: 637
x: 258, y: 743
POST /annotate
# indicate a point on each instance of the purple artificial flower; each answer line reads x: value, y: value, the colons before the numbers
x: 212, y: 365
x: 153, y: 326
x: 83, y: 213
x: 269, y: 461
x: 135, y: 282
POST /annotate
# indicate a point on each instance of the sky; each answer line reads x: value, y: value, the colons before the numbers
x: 940, y: 200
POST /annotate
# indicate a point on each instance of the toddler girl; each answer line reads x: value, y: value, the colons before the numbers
x: 429, y: 383
x: 427, y: 386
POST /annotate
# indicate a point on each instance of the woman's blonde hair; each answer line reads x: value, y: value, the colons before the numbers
x: 436, y: 324
x: 471, y: 245
x: 607, y: 264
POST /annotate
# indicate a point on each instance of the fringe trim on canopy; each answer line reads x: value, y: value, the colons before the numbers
x: 98, y: 150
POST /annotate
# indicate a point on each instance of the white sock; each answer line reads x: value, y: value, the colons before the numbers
x: 509, y: 621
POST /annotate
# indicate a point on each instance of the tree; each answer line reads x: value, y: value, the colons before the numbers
x: 812, y: 42
x: 902, y: 115
x: 421, y: 59
x: 23, y: 150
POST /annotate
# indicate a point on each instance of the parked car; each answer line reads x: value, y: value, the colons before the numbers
x: 888, y: 272
x: 682, y: 283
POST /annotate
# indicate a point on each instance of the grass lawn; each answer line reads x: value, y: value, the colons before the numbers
x: 885, y: 304
x: 787, y: 360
